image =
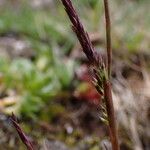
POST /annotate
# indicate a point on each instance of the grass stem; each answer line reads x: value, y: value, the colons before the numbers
x: 108, y: 37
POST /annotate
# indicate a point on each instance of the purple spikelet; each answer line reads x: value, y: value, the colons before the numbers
x: 20, y: 132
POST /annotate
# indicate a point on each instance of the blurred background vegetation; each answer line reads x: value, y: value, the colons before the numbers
x: 42, y: 72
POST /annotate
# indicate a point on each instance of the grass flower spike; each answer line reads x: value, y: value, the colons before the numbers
x: 102, y: 70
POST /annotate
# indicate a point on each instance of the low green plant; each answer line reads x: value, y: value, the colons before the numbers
x: 35, y: 83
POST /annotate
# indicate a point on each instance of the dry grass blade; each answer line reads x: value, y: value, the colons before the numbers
x: 21, y: 134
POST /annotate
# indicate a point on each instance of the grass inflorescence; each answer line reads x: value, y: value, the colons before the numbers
x: 102, y: 70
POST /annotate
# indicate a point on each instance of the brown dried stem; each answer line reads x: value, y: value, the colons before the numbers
x: 21, y: 134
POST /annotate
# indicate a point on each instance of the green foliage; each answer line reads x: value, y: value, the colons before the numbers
x: 36, y: 83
